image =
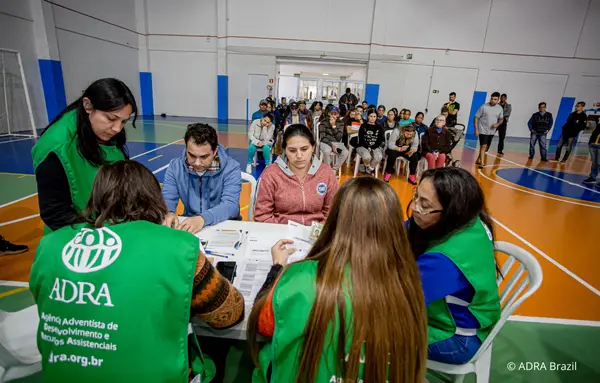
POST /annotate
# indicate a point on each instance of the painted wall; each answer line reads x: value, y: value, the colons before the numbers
x: 16, y: 33
x: 96, y: 40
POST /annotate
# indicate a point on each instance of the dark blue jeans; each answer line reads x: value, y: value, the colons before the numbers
x: 456, y: 350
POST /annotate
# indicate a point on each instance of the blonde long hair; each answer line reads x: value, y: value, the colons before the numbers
x: 365, y: 231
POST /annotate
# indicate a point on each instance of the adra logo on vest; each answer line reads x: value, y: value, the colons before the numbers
x: 91, y: 250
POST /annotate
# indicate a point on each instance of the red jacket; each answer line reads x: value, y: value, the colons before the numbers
x: 281, y: 197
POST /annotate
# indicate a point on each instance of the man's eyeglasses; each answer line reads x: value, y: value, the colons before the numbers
x: 415, y: 205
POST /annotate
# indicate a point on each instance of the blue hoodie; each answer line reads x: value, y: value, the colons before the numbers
x: 215, y: 196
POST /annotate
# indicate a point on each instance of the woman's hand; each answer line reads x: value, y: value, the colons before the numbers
x: 280, y: 253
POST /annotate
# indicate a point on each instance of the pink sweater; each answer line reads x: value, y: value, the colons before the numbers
x: 282, y: 197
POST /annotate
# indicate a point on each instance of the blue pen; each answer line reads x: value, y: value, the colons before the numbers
x: 215, y: 253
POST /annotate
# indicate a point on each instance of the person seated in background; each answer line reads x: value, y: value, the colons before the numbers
x: 381, y: 116
x: 360, y: 268
x: 390, y: 123
x: 283, y: 109
x: 352, y: 123
x: 365, y: 106
x: 141, y: 276
x: 361, y: 112
x: 403, y: 142
x: 401, y: 115
x: 297, y: 187
x: 205, y: 178
x: 261, y: 111
x: 260, y: 135
x: 406, y: 120
x: 436, y: 143
x: 304, y: 111
x: 444, y: 112
x: 575, y: 124
x: 421, y: 127
x: 371, y: 140
x: 331, y: 132
x: 316, y: 109
x: 295, y: 117
x: 452, y: 236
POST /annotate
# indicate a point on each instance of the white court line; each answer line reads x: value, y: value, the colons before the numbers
x: 155, y: 149
x: 14, y: 284
x: 538, y: 194
x: 18, y: 200
x: 19, y: 220
x: 8, y: 142
x: 535, y: 170
x: 160, y: 169
x: 139, y: 155
x: 551, y: 260
x: 569, y: 322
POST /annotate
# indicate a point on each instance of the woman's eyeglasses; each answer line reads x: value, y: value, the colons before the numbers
x: 416, y: 205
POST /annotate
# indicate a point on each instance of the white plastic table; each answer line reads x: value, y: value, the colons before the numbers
x: 248, y: 256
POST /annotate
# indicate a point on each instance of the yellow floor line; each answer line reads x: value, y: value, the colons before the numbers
x: 153, y: 158
x: 18, y: 175
x: 244, y: 208
x: 14, y: 291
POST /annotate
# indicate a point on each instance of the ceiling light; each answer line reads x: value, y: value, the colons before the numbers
x: 325, y: 74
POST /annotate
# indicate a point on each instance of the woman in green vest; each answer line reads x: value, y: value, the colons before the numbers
x: 353, y: 309
x: 451, y: 233
x: 115, y: 293
x: 86, y: 135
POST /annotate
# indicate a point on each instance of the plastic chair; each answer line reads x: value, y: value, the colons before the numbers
x: 357, y: 164
x: 516, y: 290
x: 19, y: 355
x: 255, y: 159
x: 317, y: 139
x: 350, y: 148
x: 249, y: 178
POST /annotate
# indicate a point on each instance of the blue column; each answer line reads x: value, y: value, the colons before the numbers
x: 371, y: 94
x: 222, y: 98
x: 478, y: 100
x: 146, y: 94
x: 565, y: 108
x: 53, y: 86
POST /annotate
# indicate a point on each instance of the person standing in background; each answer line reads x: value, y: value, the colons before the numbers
x: 539, y: 125
x: 262, y: 110
x: 594, y: 145
x: 507, y: 108
x: 570, y: 130
x: 349, y: 99
x: 7, y: 248
x: 486, y: 121
x: 453, y: 108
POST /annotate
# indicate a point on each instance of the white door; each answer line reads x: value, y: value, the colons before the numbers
x: 461, y: 81
x: 257, y: 90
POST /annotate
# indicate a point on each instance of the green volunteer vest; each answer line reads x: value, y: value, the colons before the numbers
x: 472, y: 251
x: 114, y: 303
x: 293, y: 299
x: 60, y: 140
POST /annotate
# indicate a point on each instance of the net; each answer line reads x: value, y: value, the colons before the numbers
x: 15, y: 114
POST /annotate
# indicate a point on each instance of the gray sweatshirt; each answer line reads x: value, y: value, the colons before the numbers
x: 258, y: 133
x: 391, y: 144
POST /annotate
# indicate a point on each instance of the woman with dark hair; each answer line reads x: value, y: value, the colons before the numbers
x: 452, y: 236
x: 126, y: 277
x: 316, y: 109
x: 371, y: 142
x: 89, y: 133
x: 390, y: 123
x: 358, y: 287
x: 297, y: 175
x: 421, y: 127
